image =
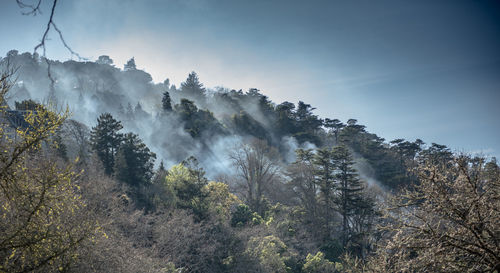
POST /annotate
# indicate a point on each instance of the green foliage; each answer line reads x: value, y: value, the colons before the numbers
x: 43, y: 218
x: 334, y: 126
x: 134, y: 161
x: 59, y: 145
x: 324, y: 178
x: 326, y: 206
x: 197, y: 121
x: 241, y: 216
x: 318, y: 264
x: 220, y: 199
x: 332, y: 249
x: 243, y: 123
x: 349, y: 188
x: 106, y: 140
x: 185, y: 187
x: 269, y: 252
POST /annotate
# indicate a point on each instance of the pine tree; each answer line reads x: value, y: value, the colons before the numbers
x: 106, y: 140
x: 325, y: 179
x: 335, y: 126
x: 349, y: 188
x: 166, y: 102
x: 193, y: 89
x: 134, y: 161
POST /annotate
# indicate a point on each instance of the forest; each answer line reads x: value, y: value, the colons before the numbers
x: 103, y: 170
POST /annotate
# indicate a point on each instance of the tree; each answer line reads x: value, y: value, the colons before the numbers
x: 134, y: 161
x: 285, y: 123
x: 27, y: 105
x: 307, y: 123
x: 257, y: 164
x: 319, y: 264
x: 104, y: 59
x: 302, y: 173
x: 197, y: 122
x: 269, y: 252
x: 351, y: 134
x: 130, y: 65
x: 244, y: 124
x: 437, y: 154
x: 166, y: 102
x: 193, y: 89
x: 446, y: 223
x: 185, y: 187
x: 349, y: 188
x: 79, y: 133
x: 106, y: 139
x: 325, y: 179
x: 334, y: 125
x: 44, y: 220
x: 220, y: 199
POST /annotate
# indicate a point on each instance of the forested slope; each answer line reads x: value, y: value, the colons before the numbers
x: 167, y: 178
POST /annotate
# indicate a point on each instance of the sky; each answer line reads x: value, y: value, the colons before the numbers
x: 427, y: 69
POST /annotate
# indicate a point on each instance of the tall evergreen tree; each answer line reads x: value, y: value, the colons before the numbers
x: 134, y: 161
x: 349, y: 188
x: 193, y: 88
x: 325, y: 179
x: 106, y: 139
x: 166, y: 102
x: 285, y: 123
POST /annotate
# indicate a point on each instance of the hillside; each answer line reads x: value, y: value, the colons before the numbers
x: 190, y: 179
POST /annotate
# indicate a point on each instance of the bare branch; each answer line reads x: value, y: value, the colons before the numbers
x: 32, y: 9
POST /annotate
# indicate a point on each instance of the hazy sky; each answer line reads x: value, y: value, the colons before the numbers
x: 424, y: 69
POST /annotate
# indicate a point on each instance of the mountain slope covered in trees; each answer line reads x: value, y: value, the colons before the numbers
x: 188, y: 179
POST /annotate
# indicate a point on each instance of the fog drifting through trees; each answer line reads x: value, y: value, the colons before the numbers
x: 167, y: 179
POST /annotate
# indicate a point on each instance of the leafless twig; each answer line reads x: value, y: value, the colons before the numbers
x: 34, y: 9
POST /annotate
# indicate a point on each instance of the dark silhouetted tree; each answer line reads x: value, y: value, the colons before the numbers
x: 325, y: 179
x: 130, y: 65
x: 193, y: 89
x: 349, y: 189
x: 166, y: 102
x: 334, y: 125
x: 106, y: 140
x: 134, y: 161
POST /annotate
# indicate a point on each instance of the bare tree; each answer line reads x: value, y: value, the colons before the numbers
x: 80, y: 135
x: 448, y: 223
x: 258, y: 165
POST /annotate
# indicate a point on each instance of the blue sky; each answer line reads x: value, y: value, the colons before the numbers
x: 426, y: 69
